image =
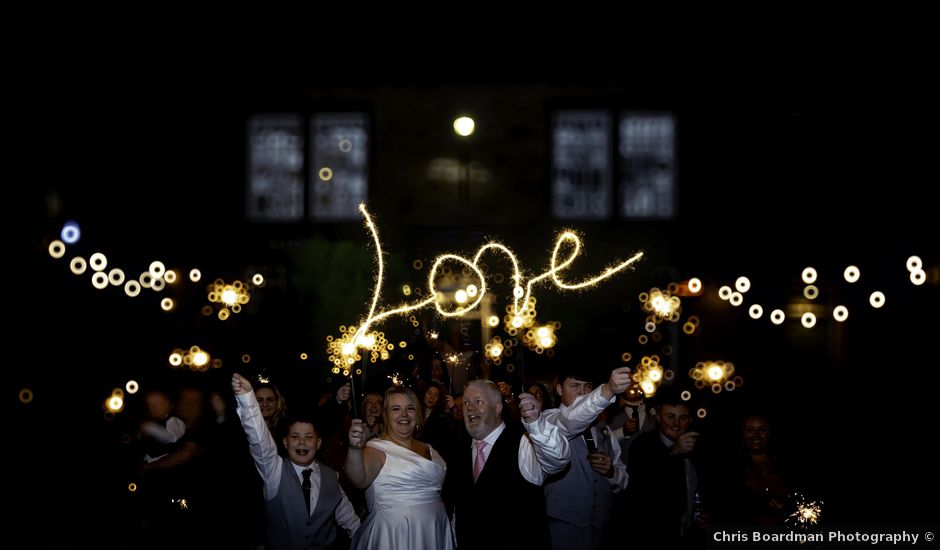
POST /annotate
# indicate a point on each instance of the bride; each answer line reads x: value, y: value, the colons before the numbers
x: 402, y: 477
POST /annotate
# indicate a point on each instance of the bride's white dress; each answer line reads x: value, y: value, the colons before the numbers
x: 405, y: 506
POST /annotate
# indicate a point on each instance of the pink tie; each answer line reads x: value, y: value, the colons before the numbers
x: 480, y: 461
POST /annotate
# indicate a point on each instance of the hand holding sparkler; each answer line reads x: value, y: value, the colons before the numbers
x: 358, y: 434
x: 685, y: 443
x: 342, y: 394
x: 529, y: 407
x: 240, y: 385
x: 601, y: 463
x: 618, y: 383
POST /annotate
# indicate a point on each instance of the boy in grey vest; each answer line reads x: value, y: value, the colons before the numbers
x: 303, y: 498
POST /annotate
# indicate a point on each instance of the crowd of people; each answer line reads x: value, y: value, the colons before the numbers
x: 429, y: 467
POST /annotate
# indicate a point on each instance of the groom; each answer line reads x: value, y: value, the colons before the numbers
x: 500, y: 472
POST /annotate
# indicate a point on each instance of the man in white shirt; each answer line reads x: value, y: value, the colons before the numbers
x: 303, y: 498
x: 579, y: 500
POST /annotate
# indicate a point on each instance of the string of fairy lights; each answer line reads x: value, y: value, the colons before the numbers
x: 224, y: 299
x: 520, y: 319
x: 718, y: 375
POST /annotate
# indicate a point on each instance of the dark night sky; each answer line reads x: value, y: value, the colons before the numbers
x: 809, y: 157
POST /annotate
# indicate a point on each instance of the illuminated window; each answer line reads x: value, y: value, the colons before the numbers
x: 339, y: 155
x: 583, y: 169
x: 328, y: 180
x: 582, y: 175
x: 646, y: 156
x: 275, y: 169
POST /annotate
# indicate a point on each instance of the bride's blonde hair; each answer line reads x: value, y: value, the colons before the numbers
x: 387, y: 412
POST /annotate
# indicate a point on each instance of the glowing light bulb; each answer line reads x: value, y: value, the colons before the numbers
x: 57, y: 249
x: 71, y: 232
x: 132, y: 288
x: 840, y: 313
x: 808, y: 320
x: 116, y: 277
x: 78, y: 265
x: 98, y: 261
x: 464, y: 126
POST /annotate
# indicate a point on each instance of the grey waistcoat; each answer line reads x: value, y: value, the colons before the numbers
x: 289, y: 526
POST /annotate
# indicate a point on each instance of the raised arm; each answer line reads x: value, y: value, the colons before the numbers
x: 576, y: 418
x: 363, y: 464
x: 544, y: 448
x: 171, y: 432
x: 261, y: 445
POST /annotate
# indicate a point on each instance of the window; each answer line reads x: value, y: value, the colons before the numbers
x: 275, y: 169
x: 337, y: 162
x: 581, y: 165
x: 339, y: 153
x: 646, y: 155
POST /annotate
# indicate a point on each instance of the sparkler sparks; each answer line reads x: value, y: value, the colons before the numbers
x: 470, y: 298
x: 808, y: 512
x: 715, y: 374
x: 195, y: 359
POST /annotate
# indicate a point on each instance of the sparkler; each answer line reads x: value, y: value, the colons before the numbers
x: 473, y: 295
x: 808, y: 512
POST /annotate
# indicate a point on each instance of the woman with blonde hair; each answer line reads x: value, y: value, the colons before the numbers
x: 402, y: 477
x: 274, y: 411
